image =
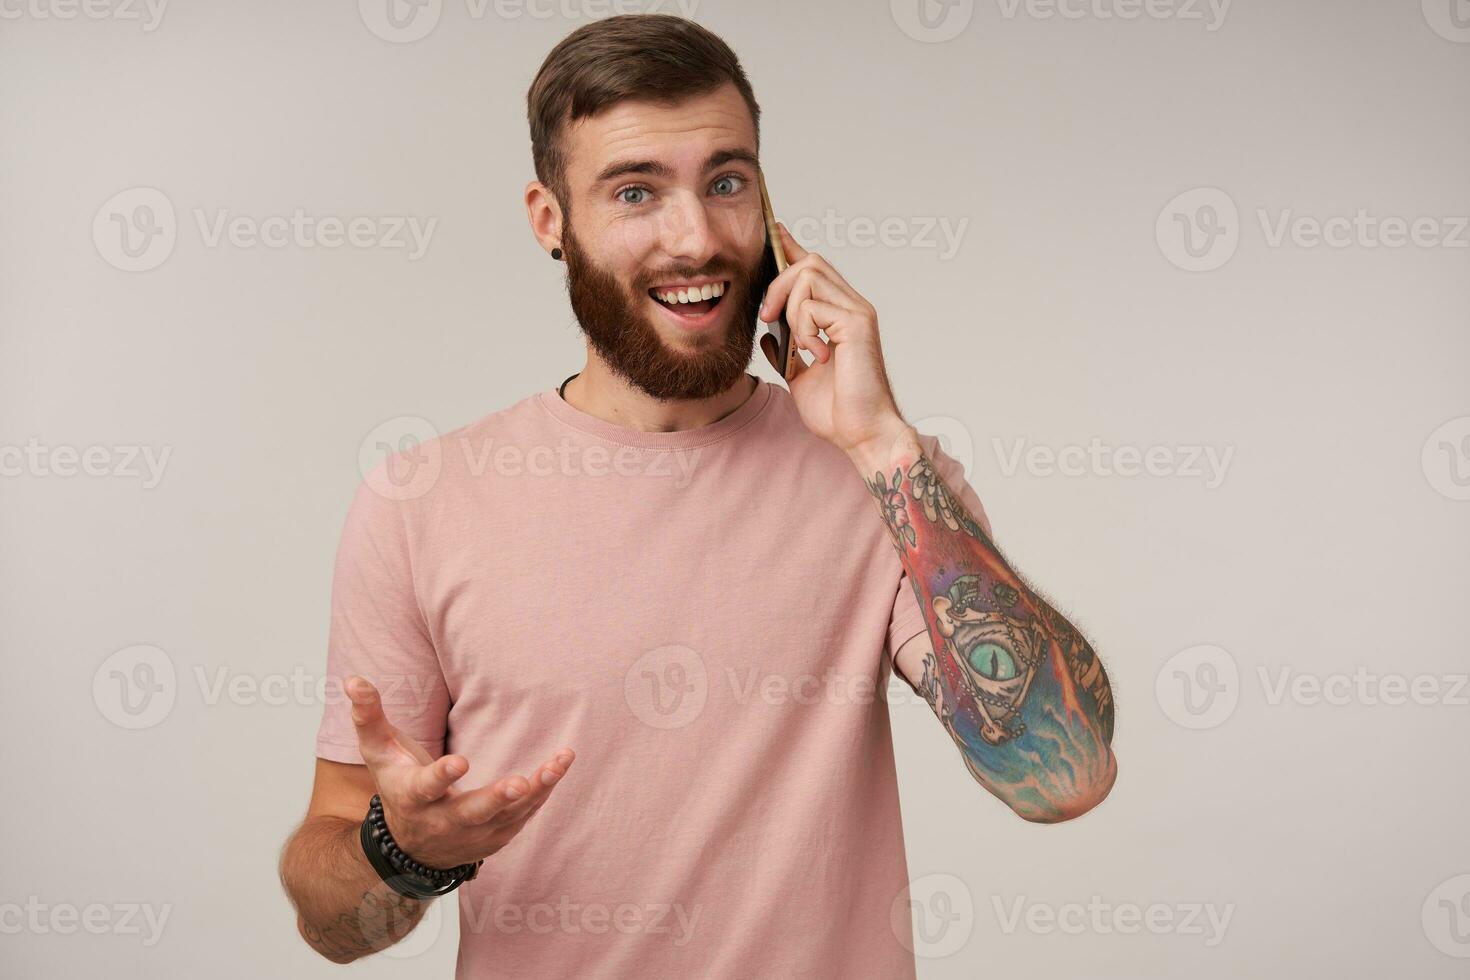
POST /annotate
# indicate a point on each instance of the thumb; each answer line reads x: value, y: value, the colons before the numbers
x: 374, y: 731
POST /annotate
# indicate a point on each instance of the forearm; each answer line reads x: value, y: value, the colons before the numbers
x: 344, y: 910
x: 1020, y: 690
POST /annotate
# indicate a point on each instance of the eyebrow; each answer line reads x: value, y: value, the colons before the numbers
x: 656, y: 168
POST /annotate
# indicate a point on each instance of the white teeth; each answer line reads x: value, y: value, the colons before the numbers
x: 694, y: 294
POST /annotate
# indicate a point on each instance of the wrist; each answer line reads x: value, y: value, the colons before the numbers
x: 402, y: 873
x: 896, y: 442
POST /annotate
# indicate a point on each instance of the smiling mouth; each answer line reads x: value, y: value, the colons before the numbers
x: 692, y: 302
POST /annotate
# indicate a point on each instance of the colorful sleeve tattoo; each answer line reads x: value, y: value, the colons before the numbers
x: 1019, y: 689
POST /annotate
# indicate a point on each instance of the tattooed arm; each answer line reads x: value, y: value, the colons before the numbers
x: 1018, y: 688
x: 344, y: 910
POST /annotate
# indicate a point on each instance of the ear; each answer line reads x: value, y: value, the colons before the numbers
x: 544, y: 212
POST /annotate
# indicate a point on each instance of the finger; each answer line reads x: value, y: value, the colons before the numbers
x: 790, y: 247
x: 433, y: 782
x: 374, y: 732
x: 818, y: 260
x: 840, y: 324
x: 844, y: 293
x: 804, y: 326
x: 799, y: 282
x: 479, y: 806
x: 547, y: 778
x: 497, y: 802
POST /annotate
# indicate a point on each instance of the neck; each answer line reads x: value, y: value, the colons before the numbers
x: 602, y: 394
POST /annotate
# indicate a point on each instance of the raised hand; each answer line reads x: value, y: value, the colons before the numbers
x: 435, y: 822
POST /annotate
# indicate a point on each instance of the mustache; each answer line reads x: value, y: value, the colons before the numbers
x: 731, y: 272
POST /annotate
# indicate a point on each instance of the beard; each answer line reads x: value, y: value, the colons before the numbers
x: 617, y: 326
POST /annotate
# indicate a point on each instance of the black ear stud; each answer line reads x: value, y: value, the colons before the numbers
x: 556, y: 254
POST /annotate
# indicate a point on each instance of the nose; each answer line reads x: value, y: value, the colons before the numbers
x: 686, y: 233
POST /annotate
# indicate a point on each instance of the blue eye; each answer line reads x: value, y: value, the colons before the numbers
x: 726, y: 180
x: 631, y: 190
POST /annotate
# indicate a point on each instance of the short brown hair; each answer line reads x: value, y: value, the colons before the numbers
x: 654, y: 57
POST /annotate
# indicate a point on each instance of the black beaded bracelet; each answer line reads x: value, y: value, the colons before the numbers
x: 402, y: 873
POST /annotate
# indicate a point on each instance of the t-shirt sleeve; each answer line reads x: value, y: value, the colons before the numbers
x: 378, y: 630
x: 907, y: 620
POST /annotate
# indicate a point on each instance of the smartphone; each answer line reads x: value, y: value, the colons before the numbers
x: 772, y: 265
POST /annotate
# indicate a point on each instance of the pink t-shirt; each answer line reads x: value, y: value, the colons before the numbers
x: 707, y: 618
